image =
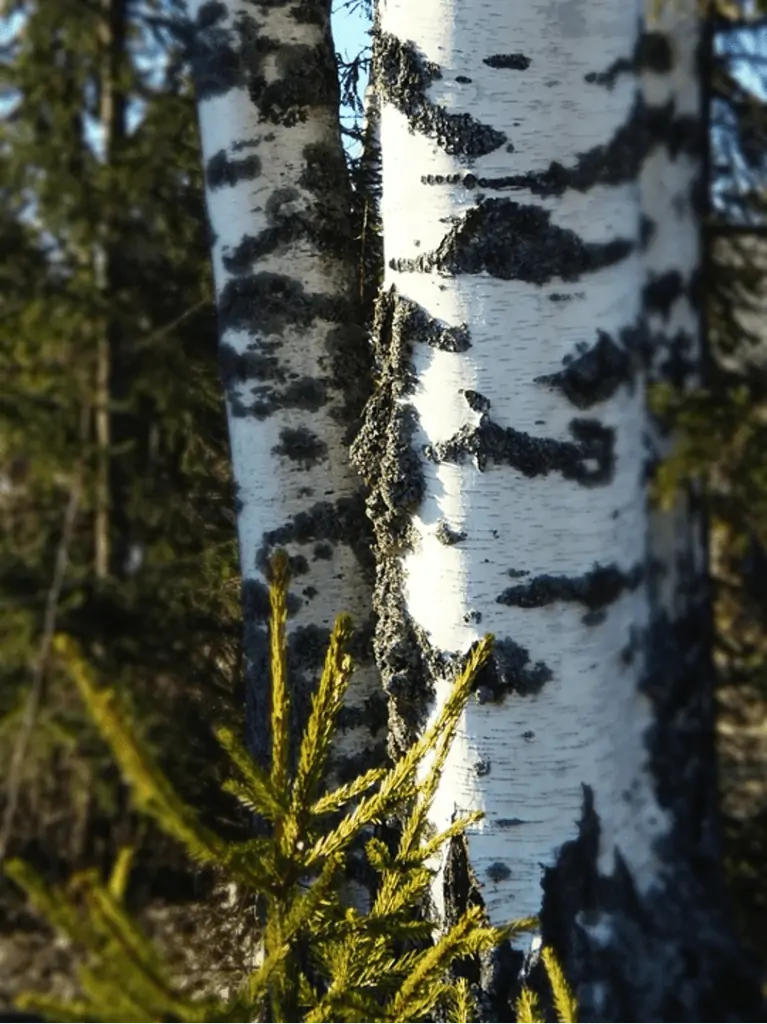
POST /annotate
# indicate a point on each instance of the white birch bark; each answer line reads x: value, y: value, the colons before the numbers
x: 671, y: 183
x: 524, y: 520
x: 511, y: 241
x: 293, y: 357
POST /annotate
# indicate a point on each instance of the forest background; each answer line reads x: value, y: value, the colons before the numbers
x: 116, y: 510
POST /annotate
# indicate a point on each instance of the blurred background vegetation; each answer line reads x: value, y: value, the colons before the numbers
x: 116, y: 508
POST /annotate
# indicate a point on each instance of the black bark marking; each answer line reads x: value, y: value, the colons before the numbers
x: 612, y: 163
x: 333, y: 522
x: 679, y: 361
x: 594, y: 618
x: 275, y: 391
x: 493, y: 975
x: 684, y: 963
x: 287, y: 226
x: 463, y: 79
x: 446, y: 535
x: 212, y: 49
x: 608, y: 77
x: 509, y: 822
x: 588, y: 460
x: 515, y: 242
x: 307, y: 79
x: 476, y: 401
x: 498, y: 872
x: 227, y: 53
x: 222, y: 171
x: 663, y: 291
x: 596, y: 589
x: 488, y: 974
x: 595, y: 373
x: 308, y: 393
x: 679, y: 133
x: 513, y: 61
x: 346, y: 768
x: 301, y: 445
x: 254, y: 364
x: 269, y: 302
x: 373, y: 713
x: 414, y: 321
x: 403, y: 76
x: 509, y: 670
x: 653, y: 52
x: 647, y: 231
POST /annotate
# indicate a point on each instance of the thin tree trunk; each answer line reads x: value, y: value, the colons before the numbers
x: 505, y: 448
x: 294, y: 356
x: 110, y: 382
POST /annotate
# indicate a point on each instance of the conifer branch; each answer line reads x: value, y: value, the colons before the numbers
x: 322, y: 959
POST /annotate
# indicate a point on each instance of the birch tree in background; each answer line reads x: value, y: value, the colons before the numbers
x: 675, y: 182
x: 293, y: 355
x: 506, y: 447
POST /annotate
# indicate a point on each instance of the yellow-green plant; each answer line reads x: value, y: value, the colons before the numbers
x: 322, y: 960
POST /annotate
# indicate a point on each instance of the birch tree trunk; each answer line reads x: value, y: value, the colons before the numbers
x: 674, y: 188
x: 506, y: 448
x: 294, y: 359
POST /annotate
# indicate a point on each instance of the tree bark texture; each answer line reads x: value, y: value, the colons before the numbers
x: 508, y: 448
x: 294, y: 357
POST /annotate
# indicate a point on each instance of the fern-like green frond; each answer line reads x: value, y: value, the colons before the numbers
x: 462, y: 1005
x: 152, y: 791
x: 528, y: 1008
x: 278, y: 600
x: 322, y: 960
x: 256, y: 789
x: 326, y: 703
x: 564, y: 1000
x: 335, y: 800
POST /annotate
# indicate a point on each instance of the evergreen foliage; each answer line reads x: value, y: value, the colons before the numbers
x: 105, y: 254
x: 321, y: 960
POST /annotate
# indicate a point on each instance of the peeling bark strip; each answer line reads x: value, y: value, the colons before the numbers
x: 561, y: 705
x: 293, y: 355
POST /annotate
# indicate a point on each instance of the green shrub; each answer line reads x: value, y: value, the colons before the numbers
x: 321, y: 960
